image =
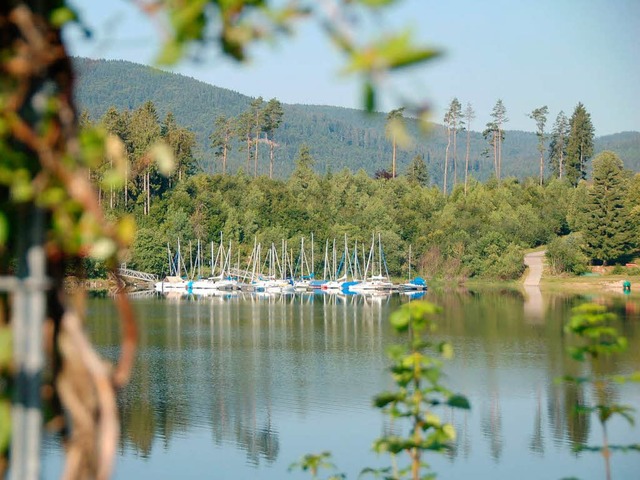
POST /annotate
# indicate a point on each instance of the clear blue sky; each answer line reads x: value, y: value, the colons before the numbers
x: 548, y: 52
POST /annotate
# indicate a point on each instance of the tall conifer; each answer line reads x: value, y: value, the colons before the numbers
x: 580, y: 144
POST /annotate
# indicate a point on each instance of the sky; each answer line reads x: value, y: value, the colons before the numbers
x: 528, y: 54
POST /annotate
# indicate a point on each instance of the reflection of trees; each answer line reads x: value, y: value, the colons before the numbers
x: 536, y: 443
x: 562, y: 398
x: 491, y: 426
x: 226, y: 364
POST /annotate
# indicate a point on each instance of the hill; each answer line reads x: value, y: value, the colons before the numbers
x: 338, y: 137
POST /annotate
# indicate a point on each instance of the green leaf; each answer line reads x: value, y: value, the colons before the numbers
x: 170, y: 53
x: 376, y: 3
x: 369, y: 97
x: 446, y: 349
x: 4, y: 229
x: 400, y: 320
x: 5, y: 426
x: 62, y: 15
x: 459, y: 401
x: 6, y: 347
x: 385, y: 398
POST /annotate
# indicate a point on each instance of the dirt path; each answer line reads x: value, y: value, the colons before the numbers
x: 535, y: 262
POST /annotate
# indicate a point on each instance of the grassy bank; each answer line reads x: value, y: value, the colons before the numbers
x: 601, y: 283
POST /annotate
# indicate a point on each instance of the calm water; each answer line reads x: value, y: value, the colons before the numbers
x: 241, y: 387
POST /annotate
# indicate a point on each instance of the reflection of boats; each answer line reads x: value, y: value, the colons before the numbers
x: 413, y: 294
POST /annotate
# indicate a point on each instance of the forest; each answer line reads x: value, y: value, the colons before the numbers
x: 337, y: 137
x: 479, y: 229
x: 232, y: 177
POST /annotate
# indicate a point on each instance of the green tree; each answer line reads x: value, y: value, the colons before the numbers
x: 499, y: 115
x: 455, y: 118
x: 244, y: 131
x: 579, y: 144
x: 565, y: 255
x: 256, y: 115
x: 221, y: 138
x: 539, y: 115
x: 272, y: 118
x: 182, y: 143
x: 608, y: 229
x: 395, y: 123
x: 469, y: 116
x: 417, y: 171
x: 558, y: 145
x: 447, y: 123
x: 490, y: 134
x: 144, y: 131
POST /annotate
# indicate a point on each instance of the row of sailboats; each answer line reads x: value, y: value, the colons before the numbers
x: 356, y: 271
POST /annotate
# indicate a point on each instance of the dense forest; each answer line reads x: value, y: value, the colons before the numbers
x: 337, y: 137
x: 477, y: 230
x: 585, y: 207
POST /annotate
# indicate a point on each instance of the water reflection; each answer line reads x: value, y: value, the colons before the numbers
x: 262, y: 374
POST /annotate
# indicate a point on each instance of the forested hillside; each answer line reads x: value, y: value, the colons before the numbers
x: 337, y: 137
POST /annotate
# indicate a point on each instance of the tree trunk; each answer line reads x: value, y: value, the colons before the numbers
x: 248, y: 153
x: 495, y: 155
x: 270, y: 158
x: 393, y: 158
x: 499, y: 153
x: 455, y: 155
x: 255, y: 157
x: 446, y: 160
x: 466, y: 159
x: 224, y: 158
x: 541, y: 167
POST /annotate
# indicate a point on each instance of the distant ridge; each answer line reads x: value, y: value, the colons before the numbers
x: 338, y: 137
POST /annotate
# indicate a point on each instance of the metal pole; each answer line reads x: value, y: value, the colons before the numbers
x: 27, y: 319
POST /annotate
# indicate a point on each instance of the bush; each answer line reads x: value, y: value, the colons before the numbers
x: 565, y: 255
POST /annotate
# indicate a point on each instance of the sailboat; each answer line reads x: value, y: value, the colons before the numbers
x: 219, y: 280
x: 173, y: 282
x: 334, y: 284
x: 302, y: 281
x: 417, y: 284
x: 374, y: 280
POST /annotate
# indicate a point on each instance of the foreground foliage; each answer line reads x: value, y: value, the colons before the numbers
x: 594, y: 326
x: 417, y: 374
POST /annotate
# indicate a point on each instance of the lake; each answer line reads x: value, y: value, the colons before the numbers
x: 239, y: 387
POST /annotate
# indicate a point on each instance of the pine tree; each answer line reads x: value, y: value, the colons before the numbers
x: 490, y: 134
x: 115, y: 124
x: 579, y: 144
x: 455, y: 117
x: 272, y: 118
x: 182, y: 143
x: 417, y: 171
x: 540, y: 117
x: 499, y: 115
x: 221, y: 138
x: 395, y: 120
x: 144, y: 132
x: 608, y: 228
x: 256, y: 109
x: 558, y: 145
x: 244, y: 132
x: 469, y: 116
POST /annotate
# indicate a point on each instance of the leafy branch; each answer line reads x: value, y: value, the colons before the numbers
x: 593, y: 325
